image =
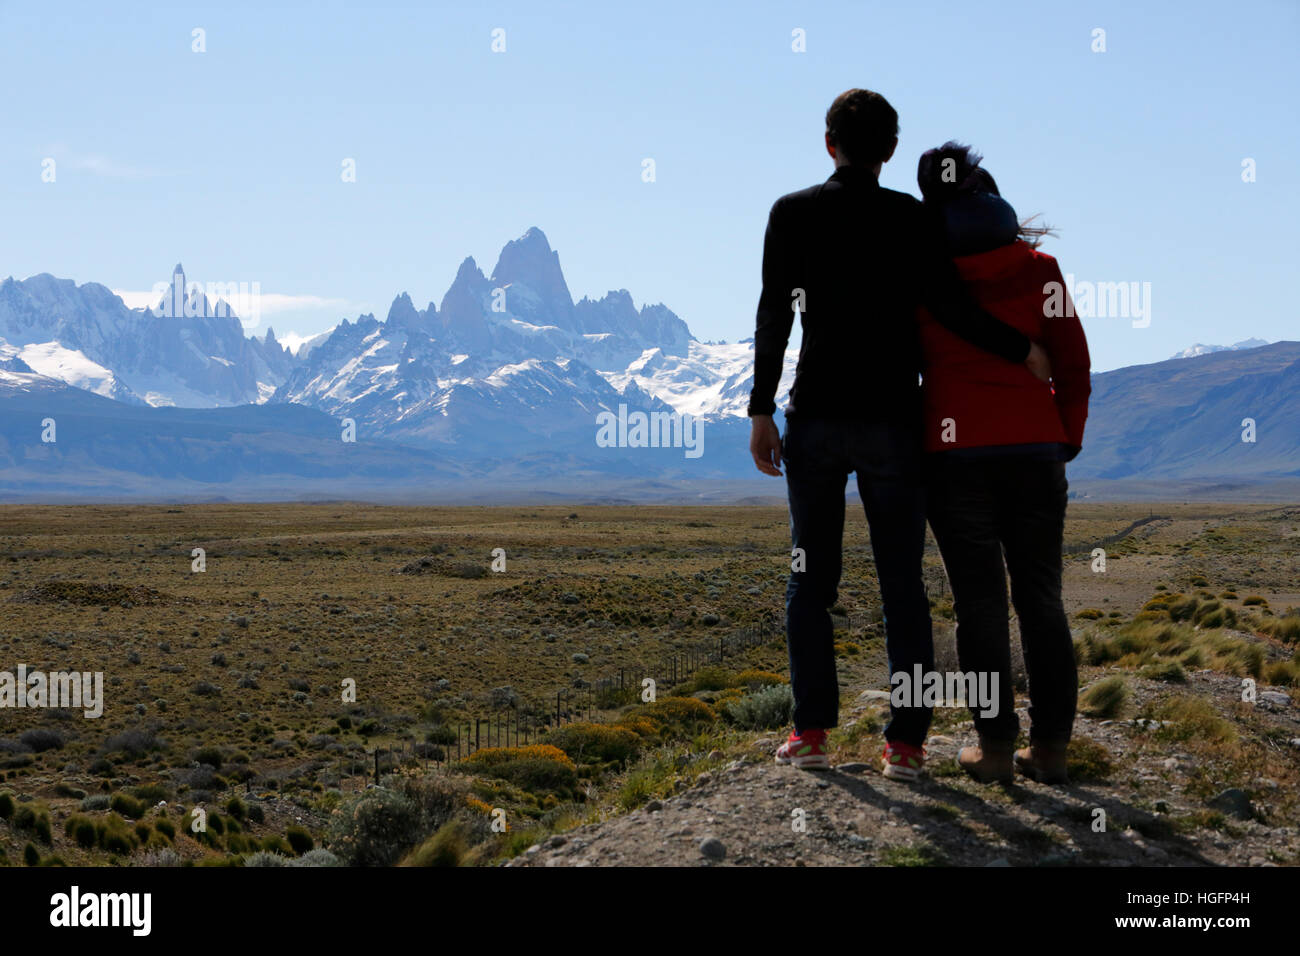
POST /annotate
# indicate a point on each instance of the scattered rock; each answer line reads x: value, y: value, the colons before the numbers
x: 1234, y: 802
x: 712, y: 848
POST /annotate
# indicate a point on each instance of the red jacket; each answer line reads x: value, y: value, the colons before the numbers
x: 972, y: 398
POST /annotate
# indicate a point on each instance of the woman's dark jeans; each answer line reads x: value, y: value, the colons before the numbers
x: 819, y: 454
x: 982, y: 509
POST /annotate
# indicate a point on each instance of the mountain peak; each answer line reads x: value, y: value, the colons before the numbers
x: 530, y: 261
x: 403, y: 313
x: 468, y: 270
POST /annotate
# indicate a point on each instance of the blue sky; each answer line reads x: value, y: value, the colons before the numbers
x: 230, y: 160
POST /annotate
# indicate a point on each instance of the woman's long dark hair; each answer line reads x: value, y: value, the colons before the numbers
x: 953, y: 169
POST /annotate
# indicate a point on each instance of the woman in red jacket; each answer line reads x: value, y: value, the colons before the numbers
x: 998, y: 440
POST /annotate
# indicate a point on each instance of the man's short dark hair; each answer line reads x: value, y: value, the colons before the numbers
x: 862, y: 126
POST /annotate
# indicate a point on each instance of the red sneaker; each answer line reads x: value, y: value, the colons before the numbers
x: 807, y: 751
x: 902, y: 761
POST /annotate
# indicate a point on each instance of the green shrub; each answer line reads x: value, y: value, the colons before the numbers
x: 680, y: 715
x: 150, y: 793
x: 537, y: 768
x: 1169, y: 671
x: 711, y: 678
x: 440, y: 735
x: 767, y: 709
x: 447, y: 847
x: 595, y: 743
x: 237, y: 808
x: 35, y: 819
x: 264, y: 858
x: 1182, y: 608
x: 6, y: 806
x: 1282, y: 673
x: 1193, y: 718
x: 299, y: 840
x: 1285, y: 628
x: 31, y: 856
x: 317, y: 857
x: 127, y: 806
x: 117, y: 841
x: 758, y: 679
x: 375, y: 828
x: 1104, y: 699
x: 82, y: 830
x: 276, y: 844
x: 1087, y: 761
x: 437, y: 796
x: 210, y: 756
x: 1089, y: 614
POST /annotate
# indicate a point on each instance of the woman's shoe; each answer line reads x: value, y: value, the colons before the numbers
x: 990, y: 761
x: 902, y: 761
x: 807, y: 751
x: 1044, y: 761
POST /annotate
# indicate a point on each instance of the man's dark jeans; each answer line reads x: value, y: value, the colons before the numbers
x: 980, y: 510
x: 819, y: 454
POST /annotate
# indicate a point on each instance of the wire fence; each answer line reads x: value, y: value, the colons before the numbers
x: 524, y: 720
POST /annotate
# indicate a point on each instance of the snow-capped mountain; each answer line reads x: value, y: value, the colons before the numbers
x: 508, y: 360
x: 710, y: 381
x: 502, y: 385
x: 510, y: 363
x: 186, y: 351
x: 1199, y: 349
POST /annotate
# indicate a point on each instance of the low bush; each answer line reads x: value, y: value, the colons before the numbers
x: 537, y: 768
x: 375, y: 828
x: 448, y: 847
x: 767, y: 709
x: 128, y: 806
x: 595, y: 743
x: 1105, y: 699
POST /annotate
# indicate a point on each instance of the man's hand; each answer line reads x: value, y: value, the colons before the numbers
x: 765, y: 445
x: 1037, y: 362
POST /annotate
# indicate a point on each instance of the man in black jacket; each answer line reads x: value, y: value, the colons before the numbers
x: 856, y: 260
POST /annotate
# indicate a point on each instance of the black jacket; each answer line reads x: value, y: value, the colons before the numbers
x: 864, y: 257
